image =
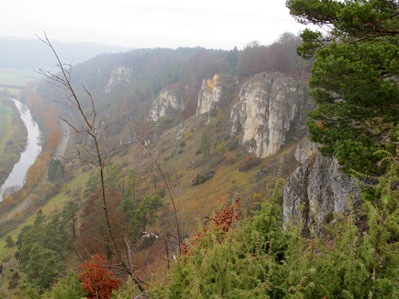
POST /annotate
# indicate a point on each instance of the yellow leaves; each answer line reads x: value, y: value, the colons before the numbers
x: 210, y: 84
x: 9, y: 199
x: 36, y: 171
x: 53, y: 140
x: 188, y: 135
x: 257, y: 197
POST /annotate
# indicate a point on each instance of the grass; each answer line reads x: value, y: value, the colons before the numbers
x: 5, y: 125
x: 14, y: 92
x: 193, y: 202
x: 17, y: 76
x: 53, y: 206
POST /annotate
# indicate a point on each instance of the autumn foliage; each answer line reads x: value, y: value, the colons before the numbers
x: 226, y: 217
x: 93, y: 233
x: 249, y: 162
x: 46, y: 115
x: 223, y: 221
x: 97, y: 281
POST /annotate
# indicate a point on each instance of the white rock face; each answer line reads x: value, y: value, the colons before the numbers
x: 215, y: 92
x: 321, y: 189
x: 269, y: 108
x: 303, y: 150
x: 118, y: 75
x: 209, y: 95
x: 169, y: 100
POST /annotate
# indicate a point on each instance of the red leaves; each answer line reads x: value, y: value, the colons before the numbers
x: 97, y: 281
x: 226, y: 217
x: 249, y: 163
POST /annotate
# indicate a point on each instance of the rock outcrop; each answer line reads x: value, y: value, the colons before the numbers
x: 169, y: 101
x: 321, y: 189
x: 271, y: 111
x: 214, y: 93
x: 303, y: 150
x: 119, y: 75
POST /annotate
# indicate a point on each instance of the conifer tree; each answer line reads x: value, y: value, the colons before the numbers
x: 354, y: 77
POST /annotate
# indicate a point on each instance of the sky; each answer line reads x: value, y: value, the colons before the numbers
x: 217, y: 24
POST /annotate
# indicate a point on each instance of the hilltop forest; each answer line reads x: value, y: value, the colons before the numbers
x: 266, y: 172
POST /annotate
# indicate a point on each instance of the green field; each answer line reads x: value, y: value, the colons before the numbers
x: 17, y: 77
x: 5, y: 125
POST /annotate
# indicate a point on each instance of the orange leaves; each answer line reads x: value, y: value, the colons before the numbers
x: 223, y: 221
x: 46, y: 115
x: 97, y: 281
x: 226, y: 217
x: 36, y: 171
x: 53, y: 139
x: 210, y: 85
x: 249, y: 163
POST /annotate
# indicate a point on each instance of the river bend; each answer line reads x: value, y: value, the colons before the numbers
x: 28, y: 156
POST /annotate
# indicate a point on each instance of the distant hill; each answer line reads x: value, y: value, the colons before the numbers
x: 32, y: 53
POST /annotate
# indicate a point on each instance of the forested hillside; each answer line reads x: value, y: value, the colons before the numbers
x: 184, y: 105
x: 197, y: 173
x: 125, y: 85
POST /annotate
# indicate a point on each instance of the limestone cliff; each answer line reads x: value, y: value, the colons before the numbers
x: 169, y: 101
x: 214, y: 93
x: 271, y: 111
x: 304, y: 149
x: 321, y: 189
x: 118, y: 75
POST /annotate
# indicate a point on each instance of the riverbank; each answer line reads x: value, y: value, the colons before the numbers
x: 13, y: 137
x: 16, y: 178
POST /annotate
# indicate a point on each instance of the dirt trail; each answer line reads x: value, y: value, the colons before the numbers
x: 64, y: 142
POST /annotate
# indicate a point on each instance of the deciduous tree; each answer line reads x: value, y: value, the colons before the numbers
x: 95, y: 150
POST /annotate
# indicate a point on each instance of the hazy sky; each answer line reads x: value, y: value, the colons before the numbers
x: 149, y: 23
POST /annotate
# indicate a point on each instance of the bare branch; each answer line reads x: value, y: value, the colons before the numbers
x: 95, y: 132
x: 69, y: 124
x: 169, y: 191
x: 92, y: 105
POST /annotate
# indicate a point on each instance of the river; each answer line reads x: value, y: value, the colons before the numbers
x: 29, y: 155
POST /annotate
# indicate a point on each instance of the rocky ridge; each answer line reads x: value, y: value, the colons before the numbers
x: 118, y: 75
x: 169, y: 101
x: 316, y: 190
x: 214, y: 93
x: 270, y: 111
x: 267, y: 111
